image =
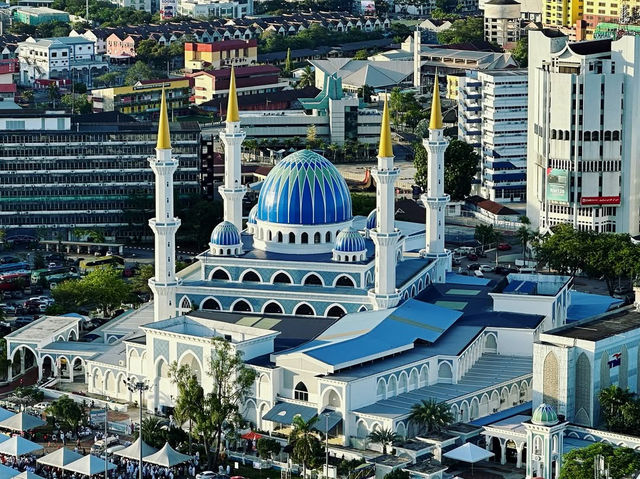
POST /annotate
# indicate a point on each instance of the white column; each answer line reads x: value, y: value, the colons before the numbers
x: 164, y: 226
x: 233, y: 190
x: 417, y: 42
x: 435, y: 198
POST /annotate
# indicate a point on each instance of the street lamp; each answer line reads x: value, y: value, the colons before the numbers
x: 140, y: 386
x: 326, y: 444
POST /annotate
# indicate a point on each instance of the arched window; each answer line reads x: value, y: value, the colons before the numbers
x: 553, y: 134
x: 292, y: 238
x: 242, y: 306
x: 583, y: 390
x: 550, y: 381
x: 279, y: 237
x: 250, y: 276
x: 327, y: 237
x: 566, y: 135
x: 269, y: 235
x: 587, y: 136
x: 220, y: 274
x: 313, y: 280
x: 595, y: 136
x: 336, y: 312
x: 273, y: 307
x: 300, y: 392
x: 304, y: 310
x: 211, y: 304
x: 616, y: 136
x: 345, y: 281
x: 282, y: 278
x: 607, y: 135
x: 304, y: 238
x: 490, y: 344
x: 316, y: 238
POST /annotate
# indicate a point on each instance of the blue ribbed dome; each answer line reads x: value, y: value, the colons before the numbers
x: 349, y: 241
x: 225, y: 234
x: 372, y: 220
x: 252, y: 215
x: 304, y: 188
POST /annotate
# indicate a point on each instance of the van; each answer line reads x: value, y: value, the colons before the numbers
x: 99, y: 445
x: 526, y: 270
x: 465, y: 250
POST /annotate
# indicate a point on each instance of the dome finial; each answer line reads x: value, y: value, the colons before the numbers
x: 435, y: 123
x: 164, y: 136
x: 385, y: 150
x: 232, y: 106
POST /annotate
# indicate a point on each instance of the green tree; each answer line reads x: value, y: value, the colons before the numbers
x: 305, y: 442
x: 189, y: 405
x: 464, y: 30
x: 287, y: 62
x: 38, y: 261
x: 78, y: 103
x: 430, y: 415
x: 68, y: 413
x: 312, y: 135
x: 485, y: 234
x: 421, y: 163
x: 622, y: 462
x: 267, y: 447
x: 27, y: 96
x: 524, y: 235
x: 460, y: 167
x: 383, y: 436
x: 521, y: 52
x: 613, y: 401
x: 363, y: 203
x: 19, y: 28
x: 307, y: 78
x: 5, y: 363
x: 107, y: 79
x: 53, y: 93
x: 138, y: 72
x: 397, y: 474
x: 140, y: 281
x: 361, y: 54
x: 153, y: 431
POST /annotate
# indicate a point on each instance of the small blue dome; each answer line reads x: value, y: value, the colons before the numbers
x: 349, y: 241
x: 544, y: 415
x: 304, y: 188
x: 252, y: 215
x: 225, y: 234
x: 372, y: 220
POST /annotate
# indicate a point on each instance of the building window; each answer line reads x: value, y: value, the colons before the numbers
x: 300, y: 392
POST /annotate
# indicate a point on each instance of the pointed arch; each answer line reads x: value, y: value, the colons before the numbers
x: 300, y: 392
x: 241, y: 305
x: 490, y: 343
x: 605, y: 373
x: 185, y: 304
x: 474, y: 411
x: 273, y: 307
x: 550, y: 381
x: 281, y: 277
x: 445, y: 373
x: 424, y: 376
x: 191, y: 360
x: 344, y: 281
x: 304, y: 309
x: 392, y: 386
x: 583, y: 391
x: 413, y: 379
x: 220, y: 274
x: 623, y: 368
x: 162, y: 367
x: 250, y: 276
x: 403, y: 382
x: 210, y: 303
x: 312, y: 279
x: 381, y: 389
x: 335, y: 311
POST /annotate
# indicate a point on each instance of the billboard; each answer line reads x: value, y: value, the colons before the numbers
x: 557, y: 185
x: 599, y: 200
x: 367, y: 7
x: 168, y: 9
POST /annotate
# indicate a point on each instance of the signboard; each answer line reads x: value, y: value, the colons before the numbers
x: 367, y: 7
x: 168, y: 9
x: 614, y: 360
x: 97, y: 416
x: 599, y: 200
x: 119, y: 427
x: 557, y: 185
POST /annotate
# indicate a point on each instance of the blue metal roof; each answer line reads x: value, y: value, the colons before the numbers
x: 414, y: 320
x: 517, y: 286
x: 499, y: 416
x: 284, y: 412
x: 587, y: 305
x: 454, y: 278
x: 327, y: 421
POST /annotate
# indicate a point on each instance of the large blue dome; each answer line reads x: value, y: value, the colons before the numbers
x: 349, y: 241
x: 225, y: 234
x: 304, y: 188
x: 372, y: 220
x: 252, y: 215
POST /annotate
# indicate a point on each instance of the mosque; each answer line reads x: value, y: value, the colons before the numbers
x: 342, y: 317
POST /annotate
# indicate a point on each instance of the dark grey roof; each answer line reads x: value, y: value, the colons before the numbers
x: 600, y: 328
x: 502, y: 2
x: 591, y: 47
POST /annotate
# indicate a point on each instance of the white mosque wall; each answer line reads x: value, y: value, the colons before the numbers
x: 514, y: 342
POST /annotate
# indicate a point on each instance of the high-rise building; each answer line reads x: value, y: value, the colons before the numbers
x: 492, y: 117
x: 60, y: 172
x: 582, y: 163
x: 502, y: 21
x: 562, y: 13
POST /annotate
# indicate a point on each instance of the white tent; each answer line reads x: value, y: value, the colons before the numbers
x: 8, y: 472
x: 18, y: 446
x: 469, y: 453
x: 59, y: 458
x: 28, y: 475
x: 167, y: 457
x: 133, y: 451
x: 21, y: 422
x: 88, y: 465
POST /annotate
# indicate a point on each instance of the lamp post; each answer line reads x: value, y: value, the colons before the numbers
x: 326, y: 444
x: 140, y: 386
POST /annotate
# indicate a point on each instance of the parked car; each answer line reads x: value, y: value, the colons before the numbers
x: 478, y: 273
x: 41, y: 406
x: 473, y: 266
x: 526, y: 270
x: 472, y: 257
x: 504, y: 247
x: 486, y: 268
x: 206, y: 475
x: 8, y: 308
x: 456, y: 261
x: 505, y: 270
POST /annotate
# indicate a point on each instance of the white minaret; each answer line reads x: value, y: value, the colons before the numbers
x: 435, y: 198
x: 232, y: 136
x: 164, y: 225
x: 417, y: 49
x: 385, y: 235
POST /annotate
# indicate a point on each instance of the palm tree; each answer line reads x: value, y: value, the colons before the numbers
x: 333, y: 148
x: 305, y: 442
x: 152, y: 431
x: 524, y: 234
x: 383, y: 437
x: 613, y: 398
x: 431, y: 415
x: 307, y: 78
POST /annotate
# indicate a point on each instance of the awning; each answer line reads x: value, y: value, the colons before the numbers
x: 284, y: 413
x: 327, y: 421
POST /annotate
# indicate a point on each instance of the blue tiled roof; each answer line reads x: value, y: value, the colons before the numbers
x: 349, y: 240
x: 225, y: 234
x: 284, y: 412
x: 251, y: 219
x: 304, y: 188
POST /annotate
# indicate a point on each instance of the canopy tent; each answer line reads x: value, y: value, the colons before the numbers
x: 167, y: 457
x: 18, y: 446
x: 59, y: 458
x: 251, y: 436
x: 133, y: 451
x: 8, y: 472
x: 28, y: 475
x: 88, y: 465
x: 5, y: 414
x: 21, y: 422
x: 469, y: 453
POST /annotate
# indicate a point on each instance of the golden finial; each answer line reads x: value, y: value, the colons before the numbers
x: 164, y: 136
x: 232, y: 106
x: 435, y: 123
x: 385, y: 150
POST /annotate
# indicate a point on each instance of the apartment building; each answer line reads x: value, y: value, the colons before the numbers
x: 249, y: 80
x: 215, y: 55
x: 582, y: 166
x: 502, y: 22
x: 60, y: 172
x: 492, y: 116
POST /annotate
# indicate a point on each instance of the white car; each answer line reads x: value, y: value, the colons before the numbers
x: 206, y: 475
x: 8, y: 308
x: 479, y: 274
x: 41, y: 406
x: 486, y: 268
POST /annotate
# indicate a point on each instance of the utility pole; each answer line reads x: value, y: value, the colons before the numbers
x: 106, y: 434
x: 326, y: 444
x: 141, y: 387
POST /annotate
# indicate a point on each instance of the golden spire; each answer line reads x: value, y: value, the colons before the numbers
x: 232, y: 106
x: 385, y: 150
x: 435, y: 123
x: 164, y: 137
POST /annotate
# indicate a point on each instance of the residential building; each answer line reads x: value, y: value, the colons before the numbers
x: 121, y: 47
x: 142, y: 5
x: 38, y: 15
x: 582, y: 143
x: 492, y: 116
x: 142, y: 100
x: 502, y: 22
x: 430, y: 28
x: 215, y: 55
x: 563, y: 14
x: 249, y: 80
x: 61, y: 172
x: 220, y: 9
x: 64, y: 58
